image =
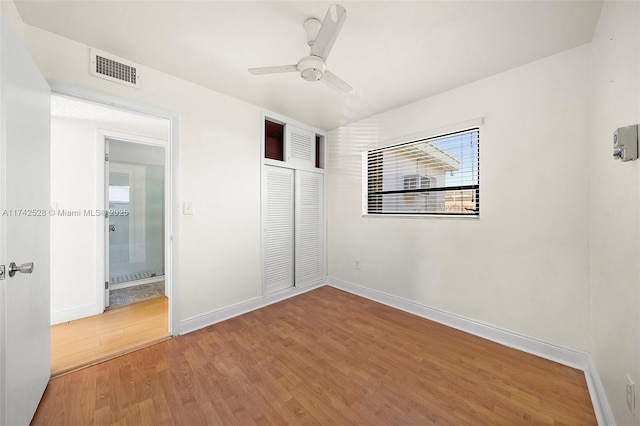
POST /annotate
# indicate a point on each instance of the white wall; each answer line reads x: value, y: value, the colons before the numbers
x: 9, y: 12
x: 219, y: 143
x: 615, y: 206
x: 76, y: 265
x: 523, y: 265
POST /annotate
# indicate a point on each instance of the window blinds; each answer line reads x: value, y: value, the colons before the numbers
x: 438, y: 175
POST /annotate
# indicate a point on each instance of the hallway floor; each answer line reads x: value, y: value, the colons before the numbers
x: 86, y: 341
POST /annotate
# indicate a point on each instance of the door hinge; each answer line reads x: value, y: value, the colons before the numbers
x: 106, y: 157
x: 106, y: 285
x: 1, y: 272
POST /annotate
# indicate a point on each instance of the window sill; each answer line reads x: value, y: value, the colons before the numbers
x: 421, y: 216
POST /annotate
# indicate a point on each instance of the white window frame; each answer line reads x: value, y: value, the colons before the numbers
x: 418, y: 138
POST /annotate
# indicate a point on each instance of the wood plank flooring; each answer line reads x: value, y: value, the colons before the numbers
x: 89, y: 340
x: 324, y: 357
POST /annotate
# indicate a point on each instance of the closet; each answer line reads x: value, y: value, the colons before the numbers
x: 293, y: 202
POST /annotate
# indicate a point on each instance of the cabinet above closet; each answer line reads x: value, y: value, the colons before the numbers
x: 295, y: 146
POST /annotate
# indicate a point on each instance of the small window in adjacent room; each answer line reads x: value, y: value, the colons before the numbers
x: 273, y: 140
x: 119, y: 194
x: 433, y: 176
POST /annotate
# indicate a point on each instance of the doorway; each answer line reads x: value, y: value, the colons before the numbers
x: 134, y: 232
x: 83, y: 133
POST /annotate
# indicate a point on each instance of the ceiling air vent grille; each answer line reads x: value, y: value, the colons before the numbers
x: 114, y: 69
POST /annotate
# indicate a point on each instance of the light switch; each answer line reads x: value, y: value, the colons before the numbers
x: 187, y: 207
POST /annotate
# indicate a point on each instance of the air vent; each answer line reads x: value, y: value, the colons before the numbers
x: 112, y: 68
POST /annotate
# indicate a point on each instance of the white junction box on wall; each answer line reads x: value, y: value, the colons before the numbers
x: 625, y: 143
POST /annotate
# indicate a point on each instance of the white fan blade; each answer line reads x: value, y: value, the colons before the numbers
x: 336, y: 81
x: 331, y: 25
x: 273, y: 70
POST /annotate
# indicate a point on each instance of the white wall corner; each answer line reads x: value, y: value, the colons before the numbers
x: 201, y: 321
x: 601, y: 406
x: 72, y: 314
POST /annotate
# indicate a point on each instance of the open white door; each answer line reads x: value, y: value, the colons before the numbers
x: 107, y: 226
x: 24, y: 231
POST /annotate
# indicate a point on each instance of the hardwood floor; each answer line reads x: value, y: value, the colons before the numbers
x: 89, y: 340
x: 324, y: 357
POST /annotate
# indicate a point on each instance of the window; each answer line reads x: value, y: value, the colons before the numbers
x: 118, y: 194
x: 432, y: 176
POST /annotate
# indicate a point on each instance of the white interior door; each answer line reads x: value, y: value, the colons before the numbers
x: 24, y: 231
x: 107, y: 227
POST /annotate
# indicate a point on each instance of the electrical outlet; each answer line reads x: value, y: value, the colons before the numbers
x: 631, y: 394
x: 357, y: 264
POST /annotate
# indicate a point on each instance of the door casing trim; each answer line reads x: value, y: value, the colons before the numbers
x: 173, y: 182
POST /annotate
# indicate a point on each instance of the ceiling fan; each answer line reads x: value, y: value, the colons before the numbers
x: 320, y: 37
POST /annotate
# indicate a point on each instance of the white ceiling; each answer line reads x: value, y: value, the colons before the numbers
x: 391, y: 52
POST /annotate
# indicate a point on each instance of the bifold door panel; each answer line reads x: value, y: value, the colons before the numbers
x: 278, y: 228
x: 294, y: 235
x: 309, y: 227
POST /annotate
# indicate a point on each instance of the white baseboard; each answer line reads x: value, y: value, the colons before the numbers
x: 598, y: 396
x: 75, y: 313
x: 572, y: 358
x: 213, y: 317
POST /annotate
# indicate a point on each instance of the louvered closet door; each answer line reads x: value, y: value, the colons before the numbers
x: 301, y: 146
x: 310, y: 251
x: 278, y: 229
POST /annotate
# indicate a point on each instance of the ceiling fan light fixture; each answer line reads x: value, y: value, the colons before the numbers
x: 311, y: 74
x: 311, y: 68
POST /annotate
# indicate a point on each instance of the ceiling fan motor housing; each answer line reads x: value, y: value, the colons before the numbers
x: 311, y: 68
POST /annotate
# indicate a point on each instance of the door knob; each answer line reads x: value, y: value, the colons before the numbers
x: 25, y: 268
x: 112, y: 228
